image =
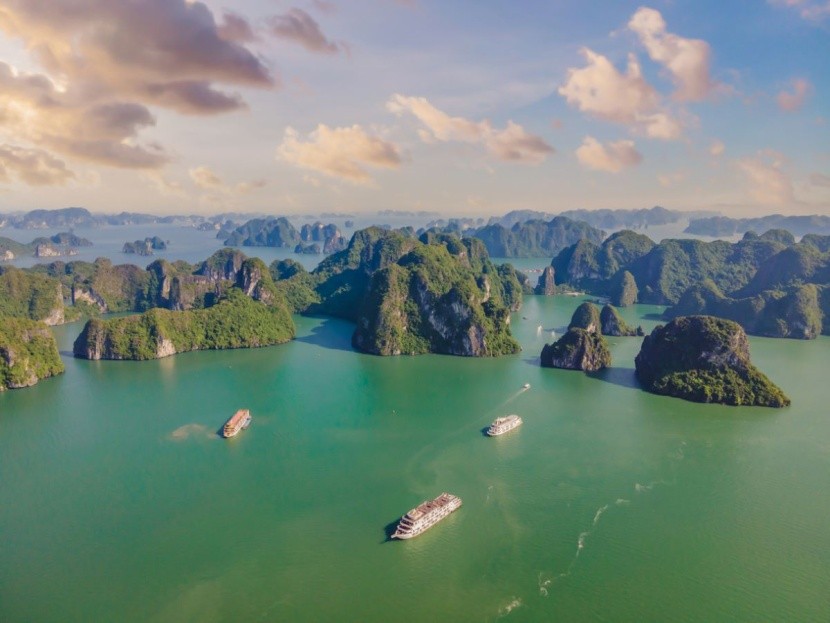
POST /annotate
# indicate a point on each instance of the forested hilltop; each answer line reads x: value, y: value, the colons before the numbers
x: 769, y: 284
x: 408, y: 296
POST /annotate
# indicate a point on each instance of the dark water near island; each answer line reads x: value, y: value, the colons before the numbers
x: 118, y: 502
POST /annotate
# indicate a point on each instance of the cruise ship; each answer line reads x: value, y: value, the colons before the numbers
x: 239, y: 421
x: 425, y: 515
x: 503, y: 425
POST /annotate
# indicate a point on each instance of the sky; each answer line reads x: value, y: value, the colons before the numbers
x: 469, y: 107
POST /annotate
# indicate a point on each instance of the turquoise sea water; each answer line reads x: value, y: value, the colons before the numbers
x: 119, y: 502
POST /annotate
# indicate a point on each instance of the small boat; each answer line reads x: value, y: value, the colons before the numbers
x: 237, y: 422
x: 503, y: 425
x: 526, y: 386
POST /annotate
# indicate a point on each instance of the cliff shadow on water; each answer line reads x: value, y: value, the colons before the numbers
x: 624, y: 377
x: 332, y: 333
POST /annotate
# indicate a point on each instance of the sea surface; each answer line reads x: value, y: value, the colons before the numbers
x: 119, y: 501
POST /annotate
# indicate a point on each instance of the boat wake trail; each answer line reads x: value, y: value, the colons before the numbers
x: 503, y: 612
x: 190, y: 430
x: 581, y: 541
x: 510, y: 399
x: 543, y: 585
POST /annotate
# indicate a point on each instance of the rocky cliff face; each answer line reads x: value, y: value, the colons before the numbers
x: 434, y: 301
x: 24, y: 294
x: 586, y: 317
x: 612, y: 324
x: 236, y: 321
x: 624, y: 291
x: 222, y: 265
x: 578, y: 349
x: 801, y: 312
x: 704, y: 359
x: 28, y: 353
x: 546, y: 285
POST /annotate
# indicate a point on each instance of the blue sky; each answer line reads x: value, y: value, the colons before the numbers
x: 454, y: 107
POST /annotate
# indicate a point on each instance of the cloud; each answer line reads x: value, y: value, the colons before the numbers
x: 820, y: 179
x: 602, y: 91
x: 106, y: 63
x: 236, y: 28
x: 767, y: 182
x: 669, y: 180
x: 611, y: 157
x: 324, y: 6
x: 716, y: 148
x: 339, y: 152
x: 132, y: 48
x: 164, y: 185
x: 790, y: 102
x: 687, y: 60
x: 299, y: 27
x: 810, y: 10
x: 206, y: 178
x: 35, y: 167
x: 243, y: 188
x: 512, y: 144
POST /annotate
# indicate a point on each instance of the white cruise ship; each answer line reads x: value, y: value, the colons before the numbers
x: 425, y: 515
x: 502, y: 425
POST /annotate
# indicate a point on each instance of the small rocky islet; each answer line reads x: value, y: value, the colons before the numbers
x: 704, y: 359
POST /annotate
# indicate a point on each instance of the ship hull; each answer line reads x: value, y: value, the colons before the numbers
x: 409, y: 529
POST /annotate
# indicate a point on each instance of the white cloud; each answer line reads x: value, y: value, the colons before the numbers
x: 208, y: 180
x: 205, y: 178
x: 611, y: 157
x: 811, y: 10
x: 767, y: 182
x: 790, y: 102
x: 35, y: 167
x: 820, y: 179
x: 105, y: 63
x: 668, y: 180
x: 164, y: 185
x: 716, y: 148
x: 687, y: 60
x: 339, y: 152
x: 602, y: 91
x: 512, y: 144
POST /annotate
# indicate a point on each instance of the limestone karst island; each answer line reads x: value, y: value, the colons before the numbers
x: 407, y: 310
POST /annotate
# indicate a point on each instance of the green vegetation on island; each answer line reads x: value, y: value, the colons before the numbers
x: 611, y: 323
x: 63, y: 243
x: 535, y: 238
x: 436, y: 299
x: 145, y: 247
x: 769, y: 284
x: 624, y: 289
x: 578, y: 349
x: 28, y: 353
x: 264, y: 232
x: 236, y: 321
x: 582, y: 347
x: 25, y: 294
x: 704, y: 359
x: 585, y: 316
